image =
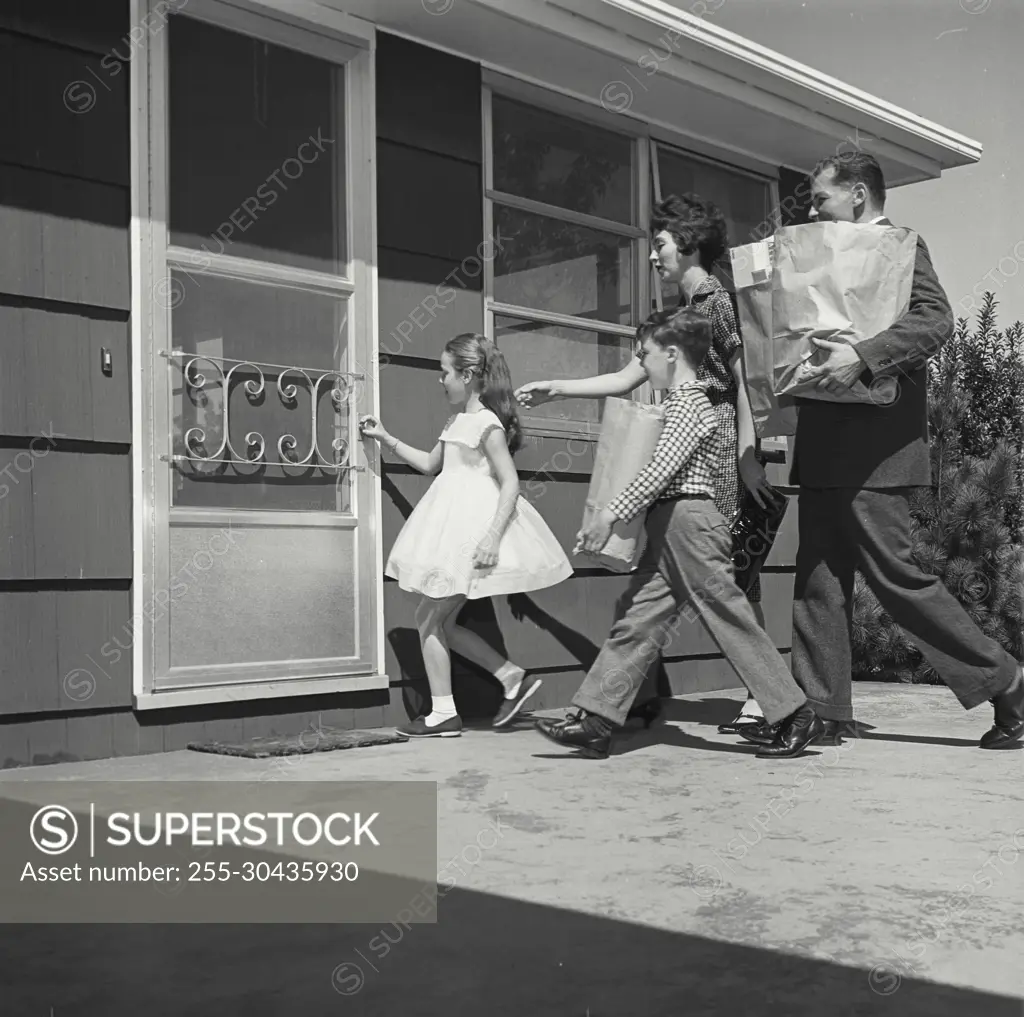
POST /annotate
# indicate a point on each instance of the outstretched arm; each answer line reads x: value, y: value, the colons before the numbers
x: 622, y: 382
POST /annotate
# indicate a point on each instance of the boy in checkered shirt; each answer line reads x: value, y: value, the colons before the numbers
x: 685, y: 571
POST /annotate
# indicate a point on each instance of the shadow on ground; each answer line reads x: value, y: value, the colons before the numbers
x: 487, y: 955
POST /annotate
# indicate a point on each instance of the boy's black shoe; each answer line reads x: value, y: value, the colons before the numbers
x: 589, y: 733
x: 796, y: 732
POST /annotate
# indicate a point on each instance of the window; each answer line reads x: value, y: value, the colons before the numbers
x: 564, y: 289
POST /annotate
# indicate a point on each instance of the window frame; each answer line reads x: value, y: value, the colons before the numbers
x: 541, y: 426
x: 343, y: 40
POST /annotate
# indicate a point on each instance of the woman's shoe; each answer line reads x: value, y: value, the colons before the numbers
x: 744, y: 722
x: 648, y: 711
x: 450, y: 728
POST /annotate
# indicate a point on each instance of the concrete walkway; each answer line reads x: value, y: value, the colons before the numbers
x: 679, y: 876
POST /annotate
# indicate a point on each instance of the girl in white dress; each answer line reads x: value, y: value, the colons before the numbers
x: 471, y: 535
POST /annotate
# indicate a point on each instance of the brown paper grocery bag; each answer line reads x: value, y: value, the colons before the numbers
x: 629, y: 436
x: 842, y: 280
x: 752, y: 279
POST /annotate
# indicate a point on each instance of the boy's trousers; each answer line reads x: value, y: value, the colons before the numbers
x: 685, y: 573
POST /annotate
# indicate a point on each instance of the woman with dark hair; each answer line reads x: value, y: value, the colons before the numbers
x: 688, y: 237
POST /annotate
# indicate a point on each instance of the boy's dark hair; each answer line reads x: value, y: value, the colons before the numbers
x: 851, y: 168
x: 695, y: 225
x: 682, y: 327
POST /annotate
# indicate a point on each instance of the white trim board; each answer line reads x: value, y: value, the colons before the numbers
x: 774, y: 72
x: 714, y: 87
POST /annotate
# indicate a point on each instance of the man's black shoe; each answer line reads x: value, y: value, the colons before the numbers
x: 591, y: 734
x: 1009, y: 726
x: 833, y: 731
x: 796, y: 733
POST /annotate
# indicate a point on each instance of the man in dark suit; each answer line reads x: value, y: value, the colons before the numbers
x: 856, y: 466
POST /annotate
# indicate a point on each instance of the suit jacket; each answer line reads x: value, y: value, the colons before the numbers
x: 865, y: 445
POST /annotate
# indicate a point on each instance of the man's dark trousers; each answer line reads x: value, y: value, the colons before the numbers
x: 842, y: 529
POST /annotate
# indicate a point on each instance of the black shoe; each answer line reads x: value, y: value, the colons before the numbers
x: 761, y: 733
x: 591, y: 734
x: 744, y: 722
x: 835, y: 730
x: 511, y: 707
x: 1009, y: 726
x: 796, y: 733
x: 648, y: 711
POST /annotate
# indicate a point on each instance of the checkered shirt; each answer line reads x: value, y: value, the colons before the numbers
x: 685, y: 460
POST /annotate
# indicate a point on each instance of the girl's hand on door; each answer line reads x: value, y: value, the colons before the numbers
x: 371, y: 427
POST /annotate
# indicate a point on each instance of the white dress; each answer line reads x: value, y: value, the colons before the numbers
x: 433, y: 554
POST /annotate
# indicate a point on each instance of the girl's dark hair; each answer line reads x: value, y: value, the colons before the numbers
x: 477, y: 354
x: 695, y: 225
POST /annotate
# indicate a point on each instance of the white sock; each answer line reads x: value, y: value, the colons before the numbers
x: 511, y: 676
x: 751, y: 709
x: 442, y: 708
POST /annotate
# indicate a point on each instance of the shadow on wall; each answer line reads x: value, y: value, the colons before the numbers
x: 478, y: 694
x: 485, y: 955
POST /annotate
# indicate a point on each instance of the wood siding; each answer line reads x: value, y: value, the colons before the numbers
x: 65, y: 423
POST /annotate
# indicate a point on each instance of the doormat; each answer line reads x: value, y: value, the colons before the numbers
x: 266, y: 746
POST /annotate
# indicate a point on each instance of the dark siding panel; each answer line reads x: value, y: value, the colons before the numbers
x: 17, y: 552
x: 53, y: 660
x: 65, y: 239
x: 28, y: 666
x: 87, y: 623
x: 13, y: 744
x: 90, y: 736
x: 430, y: 270
x: 52, y: 380
x: 444, y: 117
x: 413, y: 405
x: 63, y: 111
x: 794, y: 196
x: 97, y: 26
x: 48, y: 741
x: 418, y: 317
x: 82, y: 512
x: 783, y: 553
x: 428, y: 203
x: 777, y: 604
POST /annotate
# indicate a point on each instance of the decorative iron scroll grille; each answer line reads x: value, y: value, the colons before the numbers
x: 255, y: 443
